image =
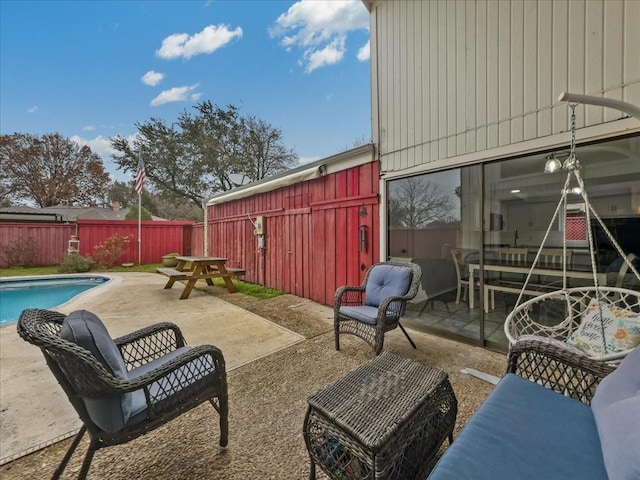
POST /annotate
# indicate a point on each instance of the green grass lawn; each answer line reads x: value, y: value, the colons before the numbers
x: 257, y: 291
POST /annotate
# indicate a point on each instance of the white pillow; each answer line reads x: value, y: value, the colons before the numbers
x: 621, y: 330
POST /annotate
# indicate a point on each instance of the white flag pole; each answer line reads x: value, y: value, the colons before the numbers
x: 139, y: 228
x: 139, y: 186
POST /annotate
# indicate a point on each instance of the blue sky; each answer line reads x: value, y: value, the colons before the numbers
x: 90, y: 70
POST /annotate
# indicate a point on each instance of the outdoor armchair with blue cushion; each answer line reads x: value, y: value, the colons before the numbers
x: 125, y: 387
x: 375, y: 307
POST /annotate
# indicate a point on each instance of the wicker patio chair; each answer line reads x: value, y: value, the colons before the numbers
x: 375, y: 307
x: 126, y: 387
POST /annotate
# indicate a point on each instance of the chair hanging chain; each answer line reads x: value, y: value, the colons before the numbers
x: 572, y: 162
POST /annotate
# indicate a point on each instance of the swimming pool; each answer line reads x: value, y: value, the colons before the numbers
x: 44, y: 292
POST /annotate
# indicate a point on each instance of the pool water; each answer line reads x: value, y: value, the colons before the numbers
x: 16, y: 295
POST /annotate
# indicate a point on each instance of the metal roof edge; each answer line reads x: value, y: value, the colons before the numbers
x: 329, y: 164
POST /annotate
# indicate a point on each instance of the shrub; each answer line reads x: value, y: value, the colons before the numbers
x: 106, y: 253
x: 21, y: 253
x: 76, y: 264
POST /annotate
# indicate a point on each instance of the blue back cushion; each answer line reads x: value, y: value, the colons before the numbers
x: 87, y: 330
x: 386, y: 281
x: 616, y: 408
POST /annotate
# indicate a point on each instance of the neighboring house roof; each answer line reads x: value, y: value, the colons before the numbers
x: 69, y: 214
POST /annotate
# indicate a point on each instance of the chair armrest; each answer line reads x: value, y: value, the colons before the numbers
x: 149, y: 343
x: 183, y: 378
x: 200, y: 362
x: 348, y: 295
x: 392, y: 302
x: 557, y: 366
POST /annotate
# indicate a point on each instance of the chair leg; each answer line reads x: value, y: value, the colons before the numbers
x: 67, y: 456
x: 336, y: 333
x: 425, y: 306
x: 223, y: 411
x: 407, y: 335
x: 224, y: 421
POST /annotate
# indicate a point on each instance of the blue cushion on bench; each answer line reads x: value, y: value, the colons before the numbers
x: 525, y: 431
x: 616, y: 408
x: 386, y: 281
x: 86, y: 330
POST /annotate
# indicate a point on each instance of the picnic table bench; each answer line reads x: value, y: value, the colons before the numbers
x: 202, y: 268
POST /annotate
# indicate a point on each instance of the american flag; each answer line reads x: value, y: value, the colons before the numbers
x: 140, y: 177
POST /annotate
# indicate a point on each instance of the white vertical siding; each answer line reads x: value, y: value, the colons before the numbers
x: 457, y: 77
x: 630, y: 49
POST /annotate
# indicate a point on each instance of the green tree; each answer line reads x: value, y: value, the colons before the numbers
x: 204, y: 153
x: 49, y: 170
x: 132, y: 214
x: 123, y: 192
x: 177, y: 209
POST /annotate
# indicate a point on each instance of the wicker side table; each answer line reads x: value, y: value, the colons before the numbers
x: 385, y: 420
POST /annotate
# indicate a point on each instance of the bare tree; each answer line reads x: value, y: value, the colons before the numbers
x: 415, y: 203
x: 51, y: 169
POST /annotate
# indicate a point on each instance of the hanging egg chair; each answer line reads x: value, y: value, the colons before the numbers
x: 599, y: 320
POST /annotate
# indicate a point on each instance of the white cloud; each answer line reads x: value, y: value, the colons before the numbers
x: 100, y: 145
x: 332, y: 53
x: 176, y: 94
x: 364, y: 53
x: 33, y: 109
x: 320, y: 28
x: 89, y: 128
x: 209, y: 40
x: 152, y: 78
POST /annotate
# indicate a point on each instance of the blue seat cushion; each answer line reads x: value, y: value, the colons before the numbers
x: 386, y: 281
x: 86, y: 330
x: 525, y: 431
x: 168, y: 385
x: 364, y: 313
x: 616, y: 408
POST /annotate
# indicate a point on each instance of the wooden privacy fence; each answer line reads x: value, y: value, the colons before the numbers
x: 158, y: 238
x: 431, y: 242
x: 319, y: 234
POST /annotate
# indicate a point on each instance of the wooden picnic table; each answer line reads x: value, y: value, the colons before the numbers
x: 201, y: 268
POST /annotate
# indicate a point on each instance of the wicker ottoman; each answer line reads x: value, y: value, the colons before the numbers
x: 385, y: 420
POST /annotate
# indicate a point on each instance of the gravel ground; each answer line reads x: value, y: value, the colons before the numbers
x: 267, y: 403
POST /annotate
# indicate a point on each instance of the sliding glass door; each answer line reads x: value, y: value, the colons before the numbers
x: 434, y: 221
x: 474, y: 229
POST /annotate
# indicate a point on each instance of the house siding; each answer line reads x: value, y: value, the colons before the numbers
x: 452, y: 78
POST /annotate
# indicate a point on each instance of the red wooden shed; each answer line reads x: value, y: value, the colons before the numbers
x: 306, y: 231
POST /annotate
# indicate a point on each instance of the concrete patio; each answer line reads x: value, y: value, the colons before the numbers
x: 274, y: 364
